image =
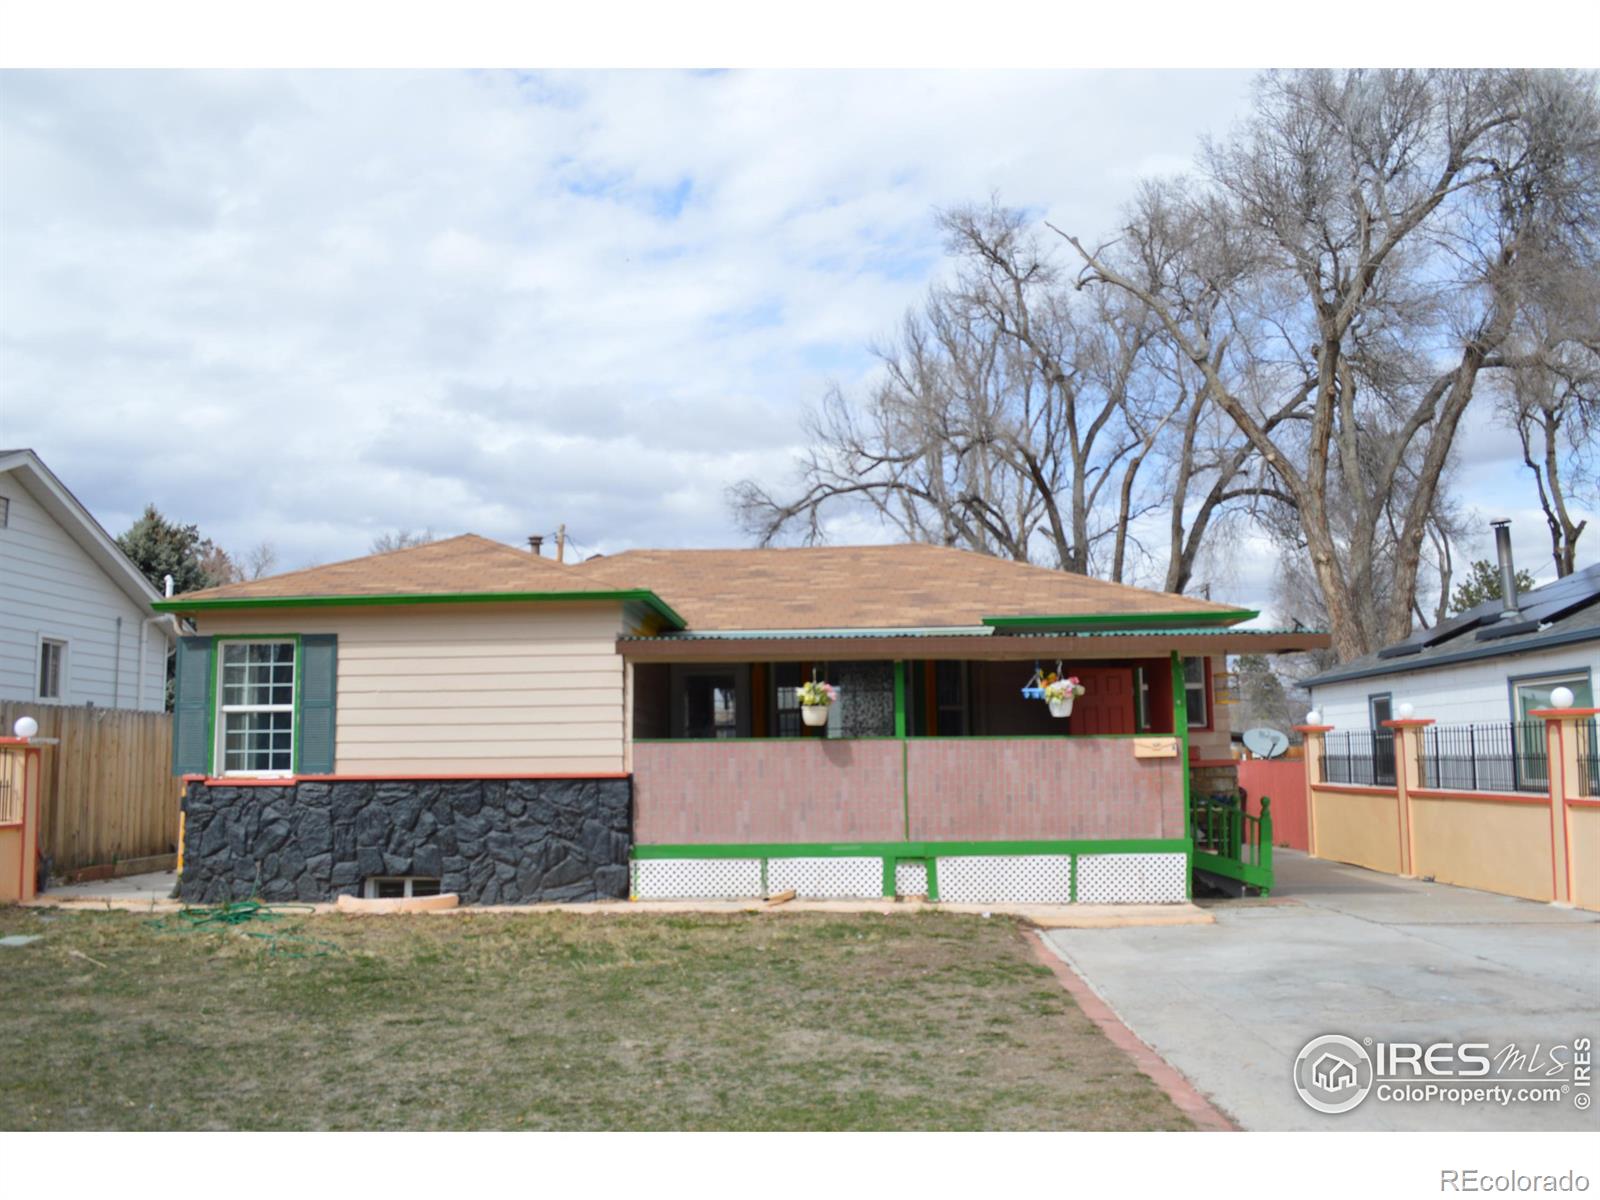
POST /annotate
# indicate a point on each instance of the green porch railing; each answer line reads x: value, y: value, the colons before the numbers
x: 1231, y: 842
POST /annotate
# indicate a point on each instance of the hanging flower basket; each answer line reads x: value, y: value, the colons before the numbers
x: 1060, y: 693
x: 815, y: 699
x: 1055, y: 691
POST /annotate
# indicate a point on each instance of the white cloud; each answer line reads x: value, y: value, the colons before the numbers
x: 309, y: 307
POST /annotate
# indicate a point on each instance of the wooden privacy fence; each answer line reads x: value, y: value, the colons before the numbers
x: 1284, y: 779
x: 107, y: 792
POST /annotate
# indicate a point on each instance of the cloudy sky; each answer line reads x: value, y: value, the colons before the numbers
x: 309, y: 308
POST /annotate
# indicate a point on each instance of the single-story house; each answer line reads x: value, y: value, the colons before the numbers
x: 77, y: 618
x: 1498, y: 661
x: 1477, y: 679
x: 472, y: 717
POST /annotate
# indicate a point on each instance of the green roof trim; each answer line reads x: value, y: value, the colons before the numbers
x: 227, y: 604
x: 1130, y: 621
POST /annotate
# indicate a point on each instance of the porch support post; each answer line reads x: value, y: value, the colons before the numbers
x: 905, y: 753
x: 899, y: 698
x: 1180, y: 727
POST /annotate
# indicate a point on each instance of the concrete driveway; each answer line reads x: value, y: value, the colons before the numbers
x: 1339, y: 949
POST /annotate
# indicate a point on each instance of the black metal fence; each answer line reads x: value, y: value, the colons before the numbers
x: 1504, y: 756
x: 1589, y: 758
x: 1359, y: 756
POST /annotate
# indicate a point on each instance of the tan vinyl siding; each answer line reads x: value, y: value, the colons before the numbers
x: 471, y: 688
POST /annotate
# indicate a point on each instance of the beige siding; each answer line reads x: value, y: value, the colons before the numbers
x: 458, y: 689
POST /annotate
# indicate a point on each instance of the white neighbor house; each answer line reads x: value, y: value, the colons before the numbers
x: 1493, y: 663
x: 76, y: 626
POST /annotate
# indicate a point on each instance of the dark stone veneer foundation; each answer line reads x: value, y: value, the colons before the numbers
x: 493, y: 841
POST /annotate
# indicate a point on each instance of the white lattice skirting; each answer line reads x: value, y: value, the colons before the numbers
x: 911, y: 879
x: 1006, y: 879
x: 697, y: 878
x: 827, y: 878
x: 1132, y: 879
x: 1154, y: 878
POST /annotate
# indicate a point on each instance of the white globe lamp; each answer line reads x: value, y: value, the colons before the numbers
x: 25, y: 727
x: 1313, y: 717
x: 1562, y: 697
x: 1404, y: 710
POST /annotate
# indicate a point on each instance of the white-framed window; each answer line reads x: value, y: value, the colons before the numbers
x: 398, y: 887
x: 52, y: 668
x: 255, y: 707
x: 1532, y: 694
x: 1195, y: 698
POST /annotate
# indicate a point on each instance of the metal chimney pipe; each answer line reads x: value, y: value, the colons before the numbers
x: 535, y: 540
x: 1508, y: 570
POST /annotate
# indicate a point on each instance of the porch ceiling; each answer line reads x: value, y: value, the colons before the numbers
x: 984, y: 645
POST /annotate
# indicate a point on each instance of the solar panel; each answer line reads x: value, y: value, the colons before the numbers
x: 1535, y: 607
x: 1556, y: 600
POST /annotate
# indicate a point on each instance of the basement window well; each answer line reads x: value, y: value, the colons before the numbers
x: 398, y: 887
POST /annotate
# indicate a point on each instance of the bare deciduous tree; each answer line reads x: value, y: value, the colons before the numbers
x: 1551, y: 396
x: 1012, y: 418
x: 259, y: 561
x: 401, y: 539
x: 1356, y: 258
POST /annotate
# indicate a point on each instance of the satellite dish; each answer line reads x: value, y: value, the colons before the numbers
x: 1266, y: 743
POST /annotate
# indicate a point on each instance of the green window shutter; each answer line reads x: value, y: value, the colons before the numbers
x: 191, y: 708
x: 319, y: 685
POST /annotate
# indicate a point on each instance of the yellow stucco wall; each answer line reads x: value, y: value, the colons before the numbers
x: 10, y: 852
x: 1357, y: 827
x: 1497, y: 846
x: 1583, y: 835
x: 445, y: 689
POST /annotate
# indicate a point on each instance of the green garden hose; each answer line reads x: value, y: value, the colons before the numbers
x: 284, y: 943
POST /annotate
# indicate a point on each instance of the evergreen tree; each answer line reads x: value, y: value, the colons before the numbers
x: 159, y: 547
x: 1483, y: 583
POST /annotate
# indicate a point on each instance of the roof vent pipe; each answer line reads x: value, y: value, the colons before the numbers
x: 1508, y: 570
x: 535, y: 540
x: 168, y: 582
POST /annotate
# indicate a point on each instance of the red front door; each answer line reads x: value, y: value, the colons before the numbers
x: 1106, y: 705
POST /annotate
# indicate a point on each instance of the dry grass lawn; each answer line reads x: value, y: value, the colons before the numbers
x: 550, y: 1021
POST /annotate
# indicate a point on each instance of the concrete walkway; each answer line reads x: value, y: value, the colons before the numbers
x: 1339, y: 949
x: 153, y: 887
x: 152, y: 893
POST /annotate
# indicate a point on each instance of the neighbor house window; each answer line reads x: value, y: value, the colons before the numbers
x: 255, y: 708
x: 1534, y: 694
x: 5, y: 511
x: 52, y: 668
x: 1195, y: 696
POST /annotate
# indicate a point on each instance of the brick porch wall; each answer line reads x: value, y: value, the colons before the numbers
x: 815, y: 790
x: 982, y: 790
x: 767, y: 790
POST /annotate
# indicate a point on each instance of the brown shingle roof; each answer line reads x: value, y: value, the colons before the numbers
x: 468, y: 563
x: 867, y: 587
x: 818, y: 587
